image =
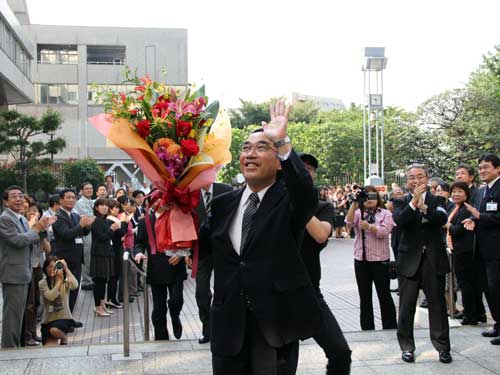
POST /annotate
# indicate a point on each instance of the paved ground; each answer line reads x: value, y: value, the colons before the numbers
x: 374, y: 352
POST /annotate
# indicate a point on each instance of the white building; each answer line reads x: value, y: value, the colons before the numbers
x: 70, y: 62
x: 323, y: 103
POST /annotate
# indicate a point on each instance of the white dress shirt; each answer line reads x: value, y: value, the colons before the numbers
x: 237, y: 221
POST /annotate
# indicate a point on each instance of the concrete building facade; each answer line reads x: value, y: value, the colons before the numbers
x: 70, y: 63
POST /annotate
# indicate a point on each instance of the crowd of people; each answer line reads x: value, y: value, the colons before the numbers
x: 262, y: 243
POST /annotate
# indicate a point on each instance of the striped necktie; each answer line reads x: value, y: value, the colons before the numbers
x: 253, y: 201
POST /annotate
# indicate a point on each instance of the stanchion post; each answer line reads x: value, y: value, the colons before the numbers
x: 146, y: 308
x: 126, y: 336
x: 450, y: 288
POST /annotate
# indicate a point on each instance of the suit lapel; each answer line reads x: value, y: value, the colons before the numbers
x: 17, y: 221
x: 271, y: 198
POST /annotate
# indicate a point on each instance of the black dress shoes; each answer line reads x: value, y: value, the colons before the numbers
x: 177, y: 326
x: 468, y: 321
x: 203, y: 340
x: 495, y: 341
x: 445, y: 357
x: 408, y: 357
x: 482, y: 318
x: 77, y: 324
x: 490, y: 333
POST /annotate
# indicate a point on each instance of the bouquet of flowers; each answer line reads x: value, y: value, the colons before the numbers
x: 179, y: 142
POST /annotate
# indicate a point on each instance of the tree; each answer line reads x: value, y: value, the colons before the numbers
x: 85, y: 170
x: 305, y: 111
x: 249, y: 113
x: 24, y: 138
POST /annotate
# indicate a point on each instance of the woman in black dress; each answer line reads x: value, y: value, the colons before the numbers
x: 461, y: 242
x: 102, y: 261
x: 116, y: 217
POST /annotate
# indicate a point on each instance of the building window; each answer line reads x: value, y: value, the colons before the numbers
x: 56, y: 94
x: 107, y: 55
x: 57, y: 54
x: 13, y: 49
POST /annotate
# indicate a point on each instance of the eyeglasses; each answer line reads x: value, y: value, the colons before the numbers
x: 260, y: 147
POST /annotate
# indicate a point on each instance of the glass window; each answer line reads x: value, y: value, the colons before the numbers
x: 107, y: 55
x: 57, y: 54
x: 56, y: 94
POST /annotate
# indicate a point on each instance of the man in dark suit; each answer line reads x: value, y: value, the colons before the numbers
x: 318, y: 231
x: 422, y: 263
x: 465, y: 173
x: 205, y: 267
x: 486, y: 224
x: 263, y: 298
x: 165, y: 274
x: 69, y: 230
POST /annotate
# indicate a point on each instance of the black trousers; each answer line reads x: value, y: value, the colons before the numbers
x: 493, y: 290
x: 331, y: 339
x: 433, y: 286
x: 367, y: 274
x: 469, y: 271
x: 257, y: 357
x: 76, y: 270
x: 203, y: 293
x: 159, y: 314
x: 99, y: 290
x: 112, y: 288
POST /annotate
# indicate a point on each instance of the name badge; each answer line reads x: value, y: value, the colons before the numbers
x: 491, y: 206
x: 79, y: 241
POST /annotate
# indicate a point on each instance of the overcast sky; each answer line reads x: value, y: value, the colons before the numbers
x: 258, y: 49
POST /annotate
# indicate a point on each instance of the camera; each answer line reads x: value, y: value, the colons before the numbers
x: 362, y: 196
x: 59, y: 265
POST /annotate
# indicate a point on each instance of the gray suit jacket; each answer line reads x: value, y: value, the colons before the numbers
x: 15, y: 252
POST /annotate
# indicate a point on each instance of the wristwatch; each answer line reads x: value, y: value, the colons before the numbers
x: 282, y: 142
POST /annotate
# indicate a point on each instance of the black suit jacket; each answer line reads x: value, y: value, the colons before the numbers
x: 270, y: 272
x: 415, y: 235
x: 488, y: 225
x: 462, y: 239
x: 65, y: 233
x: 159, y: 270
x: 218, y: 189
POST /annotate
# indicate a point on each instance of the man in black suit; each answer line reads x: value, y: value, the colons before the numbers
x: 69, y: 230
x: 205, y: 267
x: 465, y: 173
x: 318, y: 231
x: 422, y: 263
x: 263, y: 298
x: 486, y: 224
x: 165, y: 274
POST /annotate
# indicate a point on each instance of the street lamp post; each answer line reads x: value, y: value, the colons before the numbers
x: 373, y: 114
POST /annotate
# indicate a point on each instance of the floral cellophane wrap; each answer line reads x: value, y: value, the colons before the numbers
x: 176, y: 227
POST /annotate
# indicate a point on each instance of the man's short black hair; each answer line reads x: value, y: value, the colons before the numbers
x: 104, y: 186
x: 309, y: 159
x: 137, y: 192
x: 83, y: 184
x: 53, y: 200
x: 63, y: 192
x: 491, y: 158
x: 6, y: 192
x: 468, y: 168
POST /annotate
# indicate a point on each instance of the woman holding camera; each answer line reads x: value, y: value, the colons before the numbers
x: 102, y: 260
x: 372, y: 226
x: 54, y: 291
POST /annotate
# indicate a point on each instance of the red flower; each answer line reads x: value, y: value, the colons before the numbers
x: 183, y: 128
x: 140, y: 88
x: 143, y: 128
x: 133, y: 112
x: 189, y: 147
x: 124, y: 98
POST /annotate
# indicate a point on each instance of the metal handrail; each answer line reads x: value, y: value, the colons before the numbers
x: 126, y: 317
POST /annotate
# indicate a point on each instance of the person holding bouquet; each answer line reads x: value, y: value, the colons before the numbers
x: 166, y: 274
x: 263, y: 298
